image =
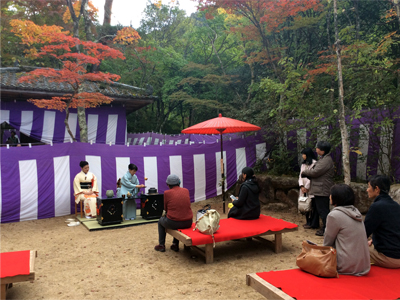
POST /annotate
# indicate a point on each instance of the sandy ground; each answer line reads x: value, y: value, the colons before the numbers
x: 73, y: 263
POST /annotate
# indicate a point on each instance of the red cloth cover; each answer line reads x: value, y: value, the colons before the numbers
x: 231, y: 229
x: 379, y: 283
x: 14, y: 263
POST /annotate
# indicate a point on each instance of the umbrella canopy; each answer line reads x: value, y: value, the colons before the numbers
x: 221, y: 125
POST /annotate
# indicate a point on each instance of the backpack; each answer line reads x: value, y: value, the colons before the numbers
x: 207, y: 221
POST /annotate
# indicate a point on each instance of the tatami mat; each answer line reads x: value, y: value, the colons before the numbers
x: 92, y: 224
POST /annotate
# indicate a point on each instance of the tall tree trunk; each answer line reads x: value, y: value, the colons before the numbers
x: 328, y: 25
x: 66, y: 121
x: 396, y: 4
x: 82, y: 124
x: 88, y: 30
x: 107, y: 12
x: 342, y: 121
x: 357, y: 19
x: 81, y: 110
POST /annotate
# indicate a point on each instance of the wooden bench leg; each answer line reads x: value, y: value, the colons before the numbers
x: 76, y: 208
x: 3, y: 291
x: 278, y: 243
x: 209, y: 253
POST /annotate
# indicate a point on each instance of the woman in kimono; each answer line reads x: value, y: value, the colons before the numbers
x: 130, y: 183
x: 85, y: 188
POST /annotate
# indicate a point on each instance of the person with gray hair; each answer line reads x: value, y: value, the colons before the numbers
x: 321, y: 176
x: 179, y: 214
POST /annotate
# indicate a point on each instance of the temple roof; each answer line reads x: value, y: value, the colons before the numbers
x: 133, y: 98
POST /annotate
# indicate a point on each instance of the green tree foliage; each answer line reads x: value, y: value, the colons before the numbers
x: 269, y: 62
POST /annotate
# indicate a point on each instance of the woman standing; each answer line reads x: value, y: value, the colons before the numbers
x: 130, y: 183
x: 345, y: 232
x: 309, y: 160
x: 247, y: 206
x: 85, y: 189
x: 321, y: 176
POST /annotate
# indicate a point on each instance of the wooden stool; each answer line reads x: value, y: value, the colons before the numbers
x: 76, y: 208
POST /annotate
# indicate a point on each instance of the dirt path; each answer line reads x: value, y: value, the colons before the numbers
x: 74, y: 263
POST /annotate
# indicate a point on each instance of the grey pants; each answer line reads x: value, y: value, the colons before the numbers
x: 165, y: 223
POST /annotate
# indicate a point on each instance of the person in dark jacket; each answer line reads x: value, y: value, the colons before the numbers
x: 247, y: 206
x: 321, y: 176
x: 383, y: 222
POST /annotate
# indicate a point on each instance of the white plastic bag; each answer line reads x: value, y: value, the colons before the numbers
x: 304, y: 204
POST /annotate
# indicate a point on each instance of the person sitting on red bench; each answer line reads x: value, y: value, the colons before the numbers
x: 247, y: 206
x: 179, y: 214
x: 383, y: 222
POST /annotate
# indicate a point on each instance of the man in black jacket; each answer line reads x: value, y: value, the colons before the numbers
x: 383, y: 222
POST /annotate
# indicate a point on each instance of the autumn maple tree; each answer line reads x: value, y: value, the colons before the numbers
x: 58, y: 45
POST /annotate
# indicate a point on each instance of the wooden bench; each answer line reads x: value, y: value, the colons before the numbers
x: 208, y: 251
x: 7, y: 281
x: 265, y: 288
x: 379, y: 283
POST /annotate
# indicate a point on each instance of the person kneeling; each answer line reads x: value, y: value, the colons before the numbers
x: 383, y: 222
x: 346, y: 233
x: 179, y: 214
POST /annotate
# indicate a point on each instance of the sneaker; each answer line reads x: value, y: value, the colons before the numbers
x: 160, y: 248
x: 320, y: 232
x: 88, y: 217
x: 175, y: 247
x: 305, y: 226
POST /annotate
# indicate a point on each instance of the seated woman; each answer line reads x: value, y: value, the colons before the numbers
x: 383, y: 222
x: 130, y: 184
x: 85, y: 188
x: 247, y: 206
x: 345, y: 232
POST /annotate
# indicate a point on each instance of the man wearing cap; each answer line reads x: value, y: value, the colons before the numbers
x: 179, y: 214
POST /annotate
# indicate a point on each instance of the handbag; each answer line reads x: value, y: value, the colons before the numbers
x: 318, y: 260
x: 207, y: 221
x: 304, y: 204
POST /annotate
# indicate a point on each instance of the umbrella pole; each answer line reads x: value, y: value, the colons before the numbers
x: 222, y: 176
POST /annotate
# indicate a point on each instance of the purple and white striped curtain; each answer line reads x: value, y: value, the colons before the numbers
x: 36, y: 182
x: 151, y: 138
x: 368, y: 138
x: 105, y: 124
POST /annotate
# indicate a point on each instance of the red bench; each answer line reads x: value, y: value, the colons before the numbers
x: 231, y: 229
x: 16, y: 267
x: 379, y: 283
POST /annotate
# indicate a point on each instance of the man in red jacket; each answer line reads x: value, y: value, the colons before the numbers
x: 179, y: 213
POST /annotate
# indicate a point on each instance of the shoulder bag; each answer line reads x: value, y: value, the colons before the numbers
x: 318, y: 260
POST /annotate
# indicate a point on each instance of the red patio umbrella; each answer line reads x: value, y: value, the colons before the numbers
x: 220, y: 126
